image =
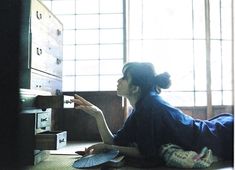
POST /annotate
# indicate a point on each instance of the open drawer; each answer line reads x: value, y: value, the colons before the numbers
x: 50, y: 140
x: 56, y: 102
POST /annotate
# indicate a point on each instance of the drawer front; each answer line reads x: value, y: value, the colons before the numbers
x: 45, y: 82
x: 43, y: 61
x: 56, y: 102
x: 43, y: 120
x: 51, y: 140
x: 47, y: 43
x: 28, y: 97
x: 43, y: 19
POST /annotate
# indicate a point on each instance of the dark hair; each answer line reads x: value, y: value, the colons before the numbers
x: 143, y: 75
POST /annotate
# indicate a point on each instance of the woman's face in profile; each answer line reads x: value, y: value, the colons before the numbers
x: 123, y: 85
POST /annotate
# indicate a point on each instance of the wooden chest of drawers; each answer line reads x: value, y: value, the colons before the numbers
x: 41, y: 48
x: 41, y: 45
x: 36, y: 137
x: 41, y: 57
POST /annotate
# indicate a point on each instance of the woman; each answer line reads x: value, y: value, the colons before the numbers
x: 154, y: 122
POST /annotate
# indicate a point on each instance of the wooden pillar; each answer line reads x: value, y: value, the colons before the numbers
x: 208, y: 59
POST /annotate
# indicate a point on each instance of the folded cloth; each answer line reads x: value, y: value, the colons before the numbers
x: 175, y: 156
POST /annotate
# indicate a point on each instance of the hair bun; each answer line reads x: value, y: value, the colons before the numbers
x: 163, y: 80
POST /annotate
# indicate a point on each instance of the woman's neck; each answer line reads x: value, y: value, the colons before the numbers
x: 133, y: 100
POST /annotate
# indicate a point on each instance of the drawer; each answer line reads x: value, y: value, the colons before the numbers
x: 45, y: 82
x: 45, y: 43
x: 56, y: 102
x: 51, y: 140
x: 43, y: 120
x: 28, y: 96
x: 44, y: 61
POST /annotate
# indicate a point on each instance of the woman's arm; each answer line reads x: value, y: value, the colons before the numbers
x: 128, y: 151
x: 105, y: 133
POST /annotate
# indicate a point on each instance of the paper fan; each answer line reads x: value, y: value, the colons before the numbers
x: 92, y: 160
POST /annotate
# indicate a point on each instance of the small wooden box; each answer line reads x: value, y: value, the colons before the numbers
x: 50, y: 140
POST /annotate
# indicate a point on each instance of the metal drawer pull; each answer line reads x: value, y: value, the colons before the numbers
x: 39, y: 51
x: 68, y: 102
x: 44, y: 120
x: 38, y: 86
x: 39, y: 16
x: 61, y: 140
x: 58, y: 32
x: 58, y: 61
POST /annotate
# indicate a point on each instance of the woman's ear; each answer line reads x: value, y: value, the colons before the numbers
x: 135, y: 89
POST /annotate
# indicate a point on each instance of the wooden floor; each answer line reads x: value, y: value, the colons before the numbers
x: 71, y: 147
x: 64, y: 158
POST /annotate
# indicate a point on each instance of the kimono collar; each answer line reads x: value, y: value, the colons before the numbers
x: 143, y: 99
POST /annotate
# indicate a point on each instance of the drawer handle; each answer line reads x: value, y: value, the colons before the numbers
x: 58, y: 32
x: 61, y: 140
x: 68, y: 102
x: 38, y: 86
x: 39, y: 51
x: 44, y: 119
x: 58, y: 61
x: 39, y: 15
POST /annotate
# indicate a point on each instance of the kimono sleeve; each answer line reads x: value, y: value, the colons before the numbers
x: 125, y: 136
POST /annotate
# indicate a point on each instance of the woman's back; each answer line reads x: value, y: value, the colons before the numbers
x: 189, y: 133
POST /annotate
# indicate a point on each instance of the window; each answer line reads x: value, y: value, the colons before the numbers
x: 173, y: 35
x: 190, y: 39
x: 93, y: 42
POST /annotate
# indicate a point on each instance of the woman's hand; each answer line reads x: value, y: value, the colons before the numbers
x: 125, y: 150
x: 81, y: 103
x: 96, y: 148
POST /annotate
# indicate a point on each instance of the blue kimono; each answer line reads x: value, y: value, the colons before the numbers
x: 154, y: 122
